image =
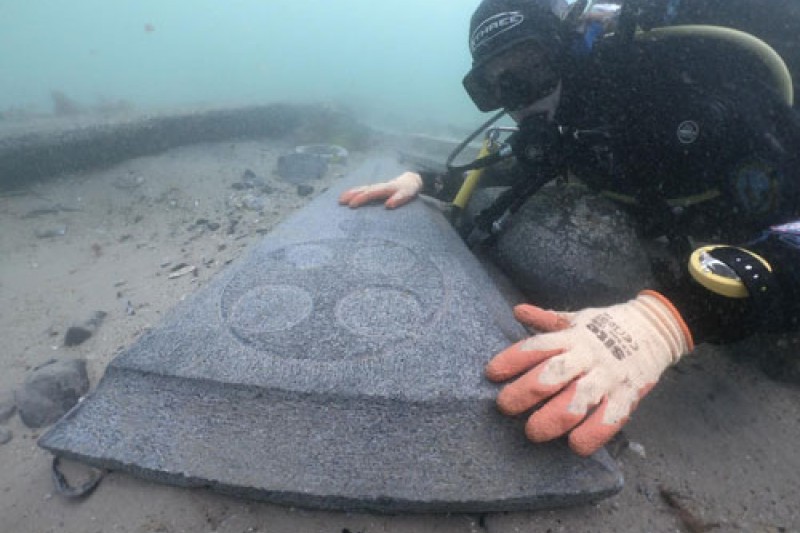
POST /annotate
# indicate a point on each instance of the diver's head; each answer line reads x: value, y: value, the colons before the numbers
x: 516, y: 47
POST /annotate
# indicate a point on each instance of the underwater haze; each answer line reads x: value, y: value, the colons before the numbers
x: 397, y: 64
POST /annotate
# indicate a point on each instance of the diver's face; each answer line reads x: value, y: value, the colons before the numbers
x: 521, y: 77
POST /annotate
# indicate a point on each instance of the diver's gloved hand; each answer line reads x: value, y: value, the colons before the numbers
x: 598, y: 362
x: 396, y: 192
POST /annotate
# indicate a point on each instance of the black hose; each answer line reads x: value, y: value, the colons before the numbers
x: 469, y: 139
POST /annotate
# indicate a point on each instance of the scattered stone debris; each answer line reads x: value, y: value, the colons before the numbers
x: 330, y: 152
x: 250, y: 180
x: 128, y: 182
x: 637, y: 448
x: 207, y: 224
x: 51, y: 233
x: 5, y: 435
x: 690, y: 520
x: 49, y: 210
x: 50, y: 391
x: 252, y: 201
x: 76, y: 335
x: 182, y: 269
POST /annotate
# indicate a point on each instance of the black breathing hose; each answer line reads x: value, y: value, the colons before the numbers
x: 478, y: 163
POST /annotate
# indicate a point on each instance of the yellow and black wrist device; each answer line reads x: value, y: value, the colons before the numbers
x: 731, y: 271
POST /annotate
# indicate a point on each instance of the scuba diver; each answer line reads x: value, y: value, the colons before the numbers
x: 690, y: 131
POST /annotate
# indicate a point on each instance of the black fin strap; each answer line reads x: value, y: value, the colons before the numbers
x: 762, y: 287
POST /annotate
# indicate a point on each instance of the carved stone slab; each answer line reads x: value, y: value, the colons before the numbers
x: 339, y: 366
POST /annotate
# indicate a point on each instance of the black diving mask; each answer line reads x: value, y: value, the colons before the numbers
x: 511, y: 89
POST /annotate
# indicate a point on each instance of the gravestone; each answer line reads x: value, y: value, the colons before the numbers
x: 339, y: 365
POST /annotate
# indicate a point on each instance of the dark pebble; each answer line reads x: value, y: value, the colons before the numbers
x: 76, y: 335
x: 304, y: 190
x: 213, y: 226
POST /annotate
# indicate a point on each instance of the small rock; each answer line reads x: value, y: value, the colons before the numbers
x: 329, y: 152
x: 637, y: 448
x: 128, y: 182
x: 76, y: 335
x: 5, y: 435
x: 253, y: 203
x: 50, y: 391
x: 251, y: 181
x: 211, y: 226
x: 187, y: 269
x: 51, y: 233
x: 304, y: 190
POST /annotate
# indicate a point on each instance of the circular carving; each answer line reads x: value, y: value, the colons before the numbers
x: 335, y: 299
x: 386, y: 259
x: 379, y: 311
x: 270, y: 308
x: 309, y: 255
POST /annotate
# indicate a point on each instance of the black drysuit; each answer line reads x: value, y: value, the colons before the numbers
x: 694, y: 141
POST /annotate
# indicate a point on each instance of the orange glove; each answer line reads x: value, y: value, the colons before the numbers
x: 397, y: 192
x: 593, y: 365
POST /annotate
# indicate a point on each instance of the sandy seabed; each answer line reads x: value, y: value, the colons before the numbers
x: 714, y: 447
